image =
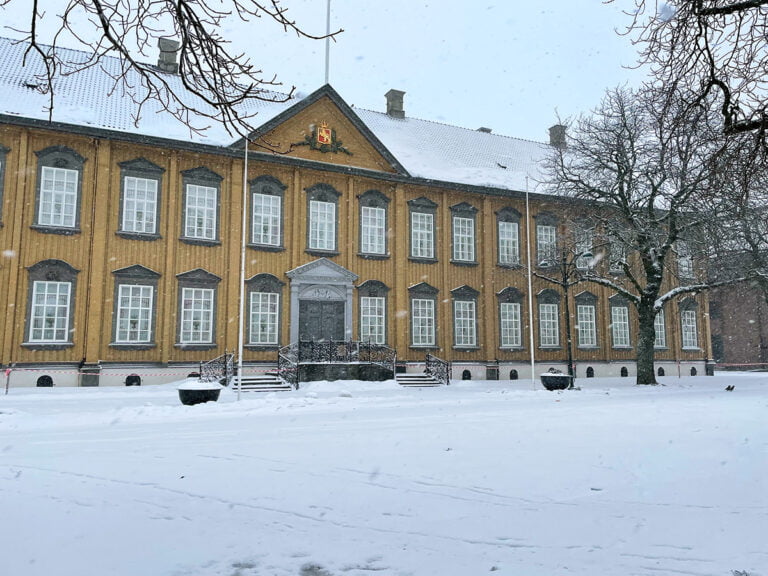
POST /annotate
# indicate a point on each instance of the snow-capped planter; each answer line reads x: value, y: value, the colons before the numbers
x: 195, y: 392
x: 556, y: 380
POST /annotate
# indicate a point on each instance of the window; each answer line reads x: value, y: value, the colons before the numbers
x: 267, y: 212
x: 508, y: 232
x: 586, y: 325
x: 3, y: 152
x: 373, y: 311
x: 659, y: 325
x: 59, y: 185
x: 140, y: 189
x: 510, y: 318
x: 264, y: 300
x: 201, y: 206
x: 617, y: 255
x: 463, y: 221
x: 690, y: 339
x: 322, y: 204
x: 549, y: 319
x: 684, y: 260
x: 197, y: 309
x: 134, y: 312
x: 465, y: 317
x: 423, y: 320
x: 620, y: 322
x: 546, y: 239
x: 50, y: 308
x: 583, y: 246
x: 373, y: 223
x: 423, y: 212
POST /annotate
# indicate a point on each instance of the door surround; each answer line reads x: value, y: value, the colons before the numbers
x: 321, y: 279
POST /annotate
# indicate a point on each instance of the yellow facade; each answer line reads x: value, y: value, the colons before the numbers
x: 97, y: 249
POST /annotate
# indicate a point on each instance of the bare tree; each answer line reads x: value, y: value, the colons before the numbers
x: 645, y: 158
x: 215, y: 84
x: 716, y: 48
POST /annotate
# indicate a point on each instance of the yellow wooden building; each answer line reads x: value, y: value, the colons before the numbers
x: 122, y: 242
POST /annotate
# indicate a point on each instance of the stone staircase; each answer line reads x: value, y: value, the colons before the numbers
x: 417, y: 380
x: 266, y: 382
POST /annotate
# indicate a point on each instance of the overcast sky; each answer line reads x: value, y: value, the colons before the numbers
x: 510, y: 66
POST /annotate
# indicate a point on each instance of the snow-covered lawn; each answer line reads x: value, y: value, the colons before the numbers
x: 353, y: 479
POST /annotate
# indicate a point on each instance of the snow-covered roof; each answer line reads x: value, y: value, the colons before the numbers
x: 90, y: 98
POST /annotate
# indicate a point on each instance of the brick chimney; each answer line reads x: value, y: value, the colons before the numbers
x: 168, y: 52
x: 557, y: 136
x: 395, y: 103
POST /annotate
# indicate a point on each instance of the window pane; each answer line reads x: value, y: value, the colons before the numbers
x: 546, y: 243
x: 134, y: 314
x: 423, y: 322
x: 464, y: 323
x: 583, y: 246
x: 265, y: 312
x: 58, y: 197
x: 322, y: 225
x: 661, y: 330
x: 200, y: 212
x: 690, y: 338
x: 373, y: 233
x: 266, y: 219
x: 372, y: 327
x: 585, y: 318
x: 49, y: 320
x: 548, y: 323
x: 139, y: 205
x: 463, y: 239
x: 197, y: 316
x: 511, y: 332
x: 620, y: 326
x: 422, y: 236
x: 509, y: 246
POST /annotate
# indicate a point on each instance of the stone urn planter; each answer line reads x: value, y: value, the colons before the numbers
x: 195, y: 392
x: 556, y: 380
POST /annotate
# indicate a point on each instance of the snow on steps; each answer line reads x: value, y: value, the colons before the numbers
x: 422, y: 380
x: 267, y: 382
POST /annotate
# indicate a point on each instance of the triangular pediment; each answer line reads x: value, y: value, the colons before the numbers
x: 321, y: 271
x: 323, y: 128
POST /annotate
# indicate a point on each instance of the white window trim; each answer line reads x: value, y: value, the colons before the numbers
x: 39, y: 312
x: 373, y: 232
x: 620, y: 332
x: 509, y: 243
x: 131, y: 222
x: 144, y: 321
x: 586, y: 325
x: 322, y: 225
x: 423, y: 317
x: 203, y: 334
x: 422, y: 235
x: 549, y: 325
x: 266, y: 219
x: 268, y: 318
x: 373, y: 319
x: 689, y: 335
x: 660, y: 328
x: 510, y: 324
x: 200, y: 218
x: 51, y: 197
x: 465, y: 323
x: 463, y: 239
x: 546, y: 244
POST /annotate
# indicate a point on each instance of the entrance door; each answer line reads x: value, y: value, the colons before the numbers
x: 321, y: 320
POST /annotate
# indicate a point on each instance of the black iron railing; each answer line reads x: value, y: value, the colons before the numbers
x: 332, y: 352
x: 221, y: 369
x: 288, y: 365
x: 438, y: 368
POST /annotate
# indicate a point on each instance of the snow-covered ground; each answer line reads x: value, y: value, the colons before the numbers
x: 354, y: 478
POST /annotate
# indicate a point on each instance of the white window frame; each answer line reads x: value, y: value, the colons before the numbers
x: 201, y: 212
x: 660, y: 327
x: 58, y: 197
x: 423, y: 321
x: 463, y: 239
x: 549, y: 325
x: 510, y: 324
x: 422, y: 235
x: 584, y: 243
x: 689, y: 329
x: 373, y: 221
x: 586, y: 325
x: 197, y: 315
x: 509, y: 243
x: 465, y: 323
x: 266, y: 219
x: 620, y: 327
x: 264, y: 318
x: 50, y: 312
x: 546, y: 244
x: 139, y: 205
x: 684, y: 260
x: 372, y: 319
x: 322, y: 225
x: 134, y: 314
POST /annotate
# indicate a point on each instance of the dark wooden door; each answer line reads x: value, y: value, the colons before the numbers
x: 321, y: 320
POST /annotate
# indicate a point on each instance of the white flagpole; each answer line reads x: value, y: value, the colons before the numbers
x: 530, y: 283
x: 243, y: 239
x: 327, y: 42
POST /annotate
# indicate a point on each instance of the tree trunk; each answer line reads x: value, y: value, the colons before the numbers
x: 645, y: 342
